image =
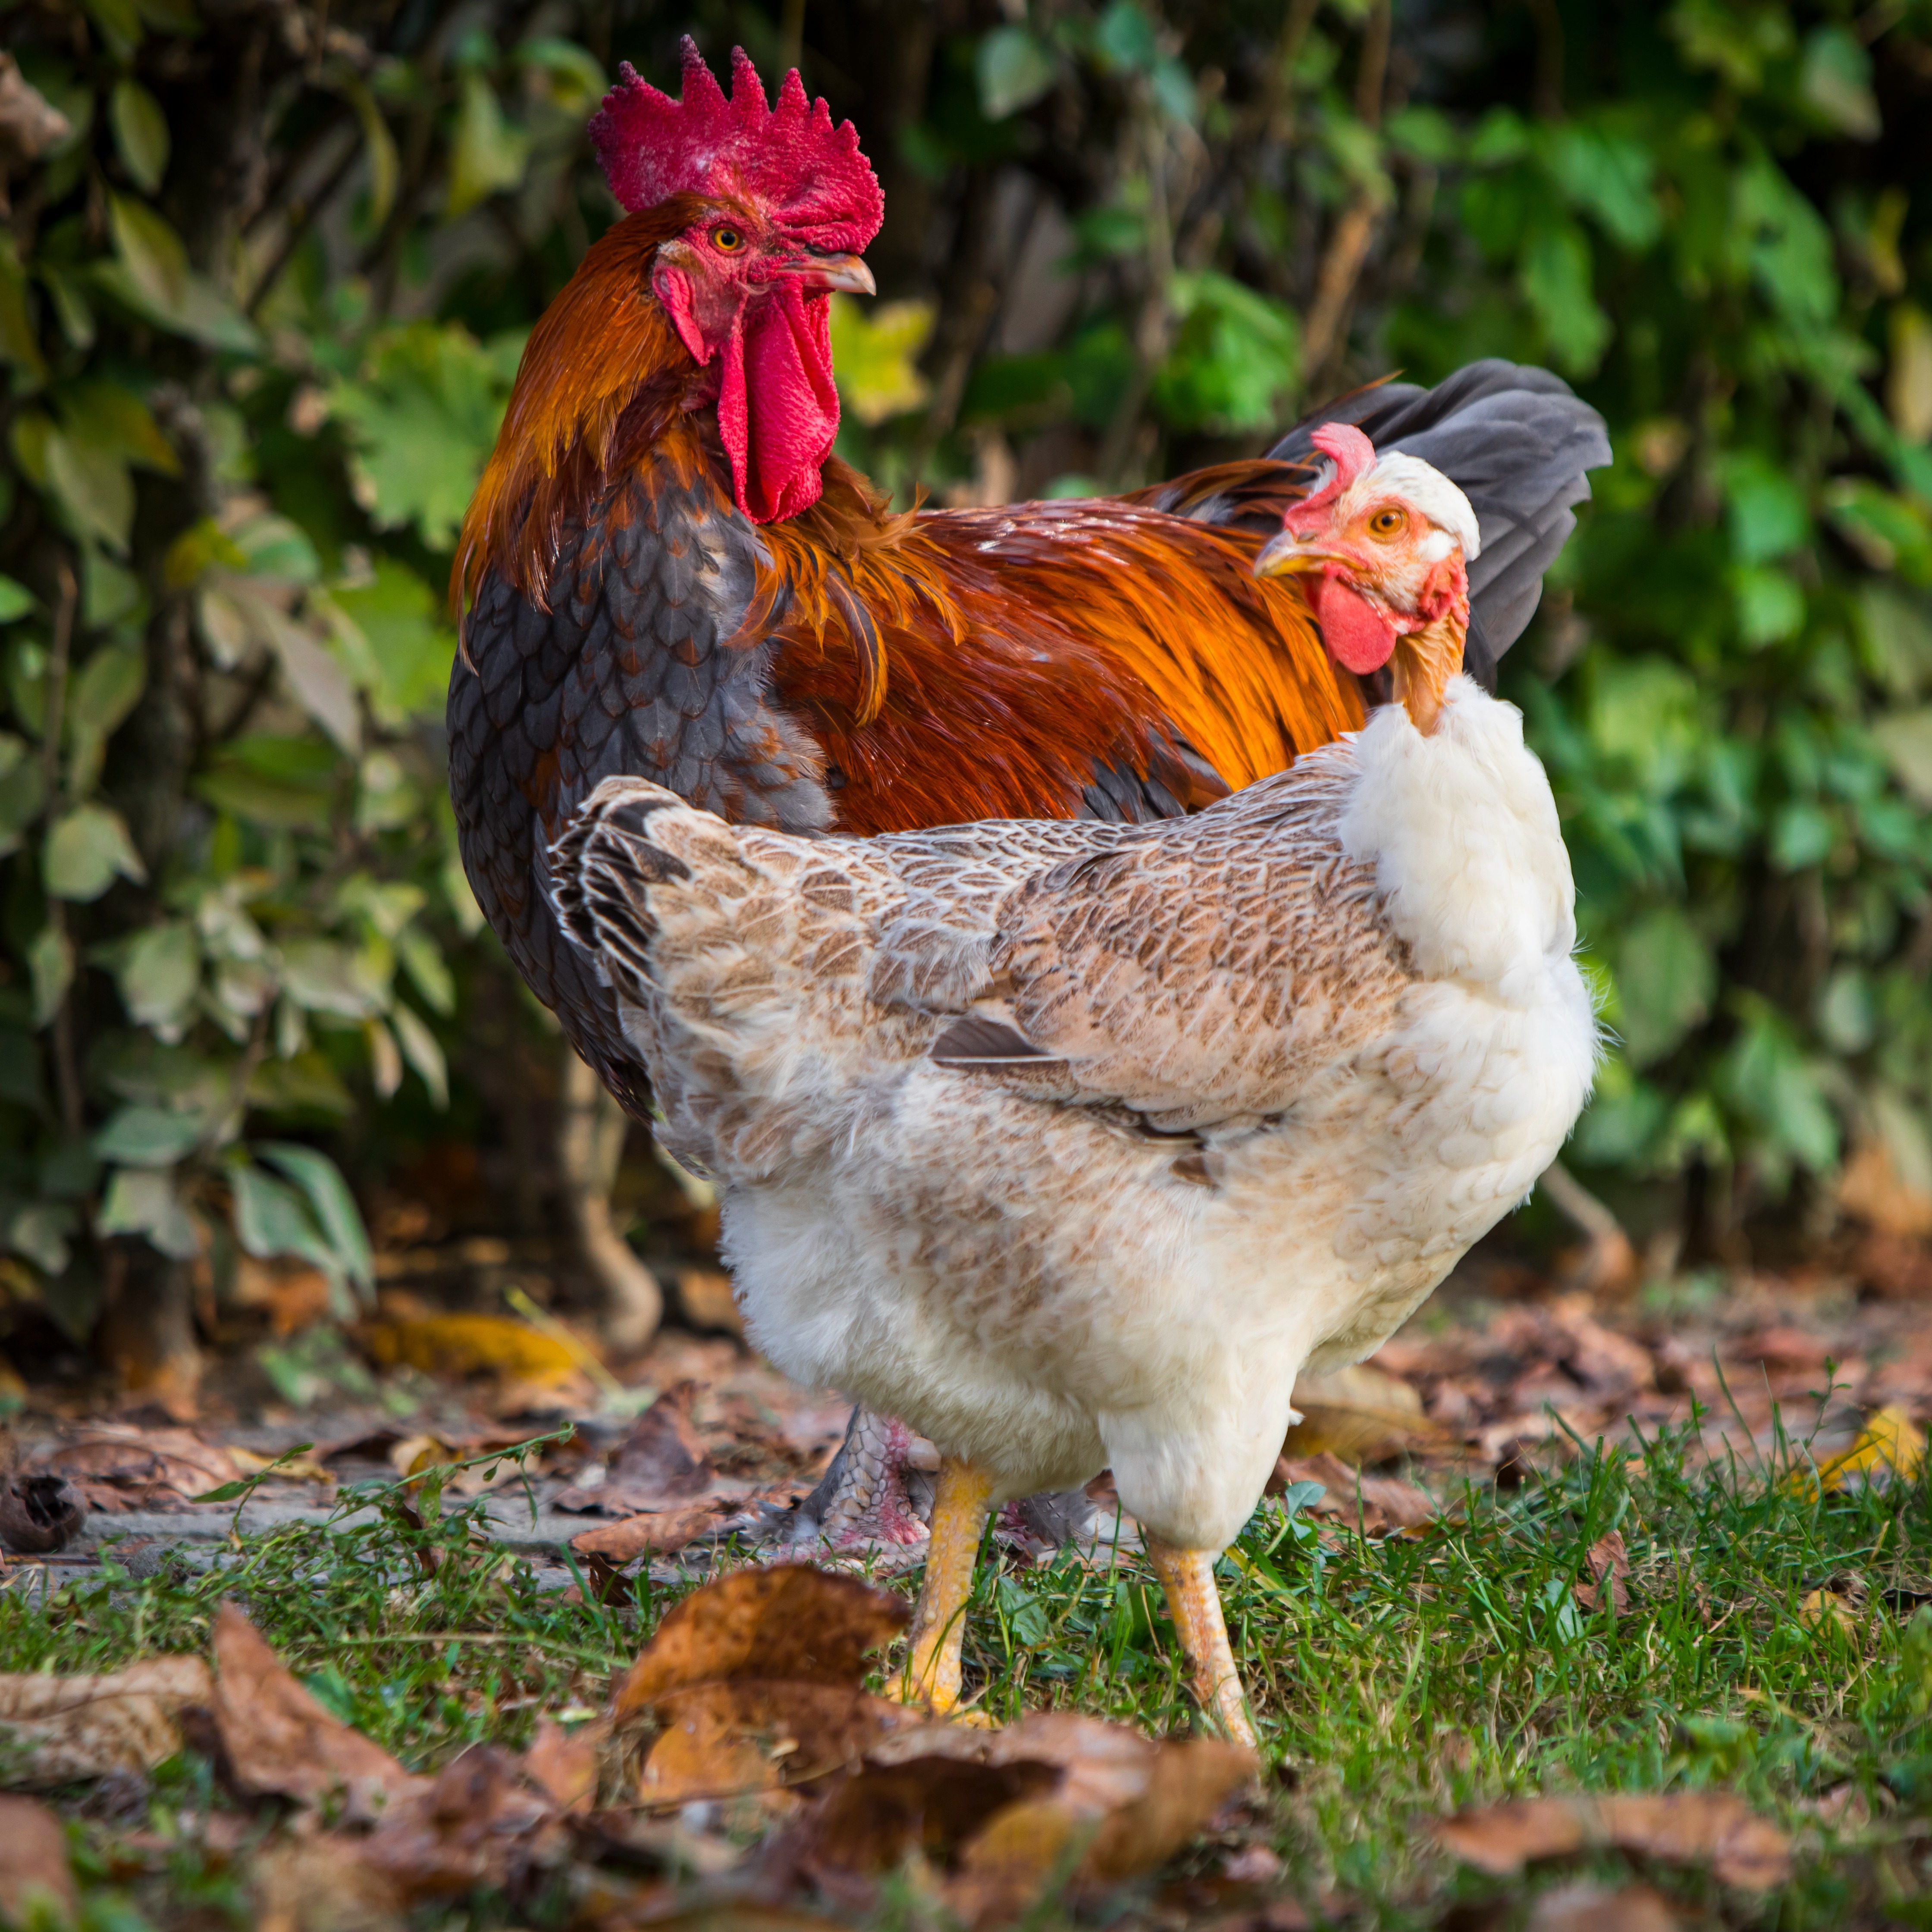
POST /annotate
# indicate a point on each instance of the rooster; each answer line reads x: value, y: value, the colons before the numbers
x: 665, y: 573
x: 1074, y: 1143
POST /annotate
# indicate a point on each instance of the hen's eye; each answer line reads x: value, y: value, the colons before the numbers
x: 726, y: 240
x: 1387, y: 523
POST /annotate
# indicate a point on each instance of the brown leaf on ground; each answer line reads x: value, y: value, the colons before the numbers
x: 54, y: 1730
x: 705, y: 1297
x: 279, y: 1739
x: 116, y: 1466
x: 662, y: 1462
x: 34, y: 1871
x: 565, y: 1765
x: 476, y: 1823
x: 1364, y: 1415
x: 1608, y: 1562
x: 1373, y: 1504
x: 790, y: 1623
x: 1713, y: 1827
x: 322, y: 1885
x: 742, y: 1736
x: 40, y: 1514
x: 1601, y: 1908
x: 656, y: 1534
x: 872, y: 1820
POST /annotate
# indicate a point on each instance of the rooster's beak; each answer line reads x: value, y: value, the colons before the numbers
x: 1288, y: 555
x: 845, y: 272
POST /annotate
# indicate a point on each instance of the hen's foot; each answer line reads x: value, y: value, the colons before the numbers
x: 960, y: 1507
x: 1187, y: 1577
x: 877, y: 1493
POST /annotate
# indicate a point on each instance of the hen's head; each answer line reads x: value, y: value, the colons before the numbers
x: 1386, y: 543
x: 776, y: 204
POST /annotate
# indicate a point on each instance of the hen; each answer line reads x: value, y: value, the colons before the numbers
x: 669, y: 576
x: 1074, y: 1143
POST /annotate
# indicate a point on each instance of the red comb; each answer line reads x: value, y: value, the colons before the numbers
x: 790, y: 159
x: 1353, y: 455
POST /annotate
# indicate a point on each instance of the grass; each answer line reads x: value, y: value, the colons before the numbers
x: 1393, y: 1680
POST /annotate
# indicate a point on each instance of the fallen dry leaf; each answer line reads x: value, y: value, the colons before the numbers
x: 1602, y: 1908
x: 872, y: 1820
x: 565, y: 1765
x: 459, y: 1346
x: 279, y: 1739
x: 746, y: 1735
x: 1713, y: 1827
x: 1373, y: 1504
x: 662, y: 1462
x: 54, y: 1730
x: 1823, y: 1609
x: 35, y: 1875
x: 657, y: 1534
x: 117, y: 1467
x: 39, y: 1514
x: 1608, y: 1562
x: 790, y: 1623
x: 474, y: 1824
x: 1363, y: 1415
x: 322, y: 1885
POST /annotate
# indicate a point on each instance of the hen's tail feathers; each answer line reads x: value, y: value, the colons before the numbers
x: 1519, y: 444
x: 601, y: 864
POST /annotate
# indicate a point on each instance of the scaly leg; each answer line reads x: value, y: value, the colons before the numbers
x: 960, y: 1507
x: 1187, y: 1576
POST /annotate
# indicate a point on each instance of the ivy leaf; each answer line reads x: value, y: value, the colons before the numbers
x: 50, y: 963
x: 272, y: 1219
x: 85, y: 850
x: 140, y: 133
x: 1907, y: 742
x: 1556, y: 280
x: 91, y: 484
x: 18, y: 343
x: 15, y: 601
x: 142, y: 1201
x: 489, y: 155
x: 422, y: 1051
x: 320, y: 1179
x: 1666, y: 980
x: 161, y: 975
x: 106, y: 688
x: 1836, y: 80
x: 1013, y: 70
x: 145, y: 1136
x: 150, y: 275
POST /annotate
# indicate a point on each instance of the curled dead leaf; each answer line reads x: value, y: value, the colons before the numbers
x: 322, y: 1884
x: 1826, y: 1609
x: 474, y: 1824
x: 1373, y: 1504
x: 790, y: 1623
x: 662, y: 1462
x: 279, y: 1739
x: 1713, y: 1827
x: 1363, y: 1415
x: 459, y: 1346
x: 118, y: 1467
x: 35, y: 1875
x: 1890, y: 1444
x: 39, y: 1514
x: 656, y: 1534
x: 1609, y: 1563
x: 566, y: 1765
x: 54, y: 1730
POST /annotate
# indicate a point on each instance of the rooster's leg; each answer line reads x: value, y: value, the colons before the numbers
x: 1187, y: 1576
x: 960, y: 1507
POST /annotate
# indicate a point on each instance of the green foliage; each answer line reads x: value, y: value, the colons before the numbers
x: 255, y: 358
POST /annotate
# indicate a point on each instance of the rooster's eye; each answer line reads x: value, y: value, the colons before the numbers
x: 726, y: 240
x: 1387, y: 523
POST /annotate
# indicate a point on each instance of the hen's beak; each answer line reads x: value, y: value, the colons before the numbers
x: 1289, y: 555
x: 847, y: 273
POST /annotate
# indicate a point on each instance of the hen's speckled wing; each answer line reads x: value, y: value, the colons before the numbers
x: 1197, y: 974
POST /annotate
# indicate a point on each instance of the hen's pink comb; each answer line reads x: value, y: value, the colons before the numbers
x: 1353, y: 455
x: 790, y: 159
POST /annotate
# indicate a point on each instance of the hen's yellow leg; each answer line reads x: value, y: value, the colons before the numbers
x: 960, y: 1504
x: 1187, y: 1576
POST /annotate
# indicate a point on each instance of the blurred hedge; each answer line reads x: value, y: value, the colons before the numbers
x: 266, y: 273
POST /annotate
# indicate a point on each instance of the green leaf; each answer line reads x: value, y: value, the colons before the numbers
x: 272, y: 1219
x: 1768, y: 513
x: 1557, y: 283
x: 1778, y: 1091
x: 1801, y: 835
x: 142, y: 1136
x: 106, y: 690
x: 41, y: 1231
x: 1608, y: 175
x: 150, y: 275
x: 1836, y: 79
x: 23, y: 791
x: 875, y: 355
x: 142, y: 1201
x: 140, y: 133
x: 85, y: 850
x: 1666, y: 979
x: 18, y: 343
x: 50, y: 961
x: 1013, y: 70
x: 1770, y: 605
x: 570, y: 74
x: 379, y: 144
x: 1907, y: 742
x: 15, y: 601
x: 488, y: 154
x: 326, y: 977
x: 421, y: 419
x: 1234, y: 355
x: 428, y: 973
x: 160, y: 977
x: 321, y: 1181
x: 92, y: 485
x: 390, y: 632
x: 111, y: 417
x: 421, y: 1050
